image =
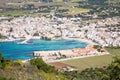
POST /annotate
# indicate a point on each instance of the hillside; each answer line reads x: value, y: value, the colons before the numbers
x: 68, y: 8
x: 35, y: 69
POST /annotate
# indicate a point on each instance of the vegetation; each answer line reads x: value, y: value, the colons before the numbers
x: 74, y: 11
x: 83, y: 63
x: 39, y: 7
x: 13, y: 13
x: 4, y: 63
x: 92, y: 68
x: 36, y: 69
x: 110, y: 72
x: 3, y: 78
x: 115, y: 51
x: 41, y: 65
x: 97, y: 61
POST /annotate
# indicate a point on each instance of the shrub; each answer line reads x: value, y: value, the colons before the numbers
x: 41, y: 65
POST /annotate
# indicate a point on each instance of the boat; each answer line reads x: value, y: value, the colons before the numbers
x: 27, y: 41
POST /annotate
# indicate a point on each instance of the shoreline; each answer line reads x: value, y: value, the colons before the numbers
x: 79, y: 39
x: 82, y: 40
x: 8, y: 40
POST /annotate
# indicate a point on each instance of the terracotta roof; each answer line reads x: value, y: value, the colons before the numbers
x: 59, y: 65
x: 83, y: 50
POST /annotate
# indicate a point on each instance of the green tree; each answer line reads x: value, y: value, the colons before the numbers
x: 110, y: 72
x: 41, y: 65
x: 0, y: 56
x: 3, y: 78
x: 114, y: 69
x: 4, y: 63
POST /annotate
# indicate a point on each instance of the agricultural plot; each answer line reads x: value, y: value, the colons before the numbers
x: 83, y: 63
x: 97, y: 61
x: 51, y: 6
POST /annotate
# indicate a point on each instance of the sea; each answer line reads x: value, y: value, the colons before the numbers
x: 14, y: 51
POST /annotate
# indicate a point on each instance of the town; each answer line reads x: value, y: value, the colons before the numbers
x: 59, y: 39
x: 104, y: 32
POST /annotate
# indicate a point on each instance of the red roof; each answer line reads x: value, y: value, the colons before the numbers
x: 59, y: 65
x: 83, y: 50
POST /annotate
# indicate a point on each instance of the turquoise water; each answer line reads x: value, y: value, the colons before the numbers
x: 15, y: 51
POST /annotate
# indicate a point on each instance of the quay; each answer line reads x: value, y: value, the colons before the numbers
x: 61, y: 55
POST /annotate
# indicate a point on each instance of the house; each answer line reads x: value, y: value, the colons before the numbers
x: 84, y: 51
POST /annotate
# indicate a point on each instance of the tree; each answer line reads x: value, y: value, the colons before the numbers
x: 4, y: 63
x: 110, y: 72
x: 114, y: 69
x: 3, y: 78
x: 41, y: 65
x: 0, y: 56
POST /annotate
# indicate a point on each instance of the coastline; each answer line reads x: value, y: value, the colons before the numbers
x: 70, y: 52
x: 53, y: 56
x: 106, y: 53
x: 8, y: 40
x: 83, y: 40
x: 79, y: 39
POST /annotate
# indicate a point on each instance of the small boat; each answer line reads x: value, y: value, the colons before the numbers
x: 27, y: 41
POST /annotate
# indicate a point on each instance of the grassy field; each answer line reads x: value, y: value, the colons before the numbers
x: 84, y: 63
x: 97, y: 61
x: 13, y: 13
x: 74, y: 11
x: 114, y: 51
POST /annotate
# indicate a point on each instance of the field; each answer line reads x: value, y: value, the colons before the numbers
x: 97, y: 61
x: 114, y: 51
x: 74, y: 7
x: 16, y: 8
x: 74, y: 11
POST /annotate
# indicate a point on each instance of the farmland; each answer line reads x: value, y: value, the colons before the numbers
x: 97, y: 61
x: 17, y: 8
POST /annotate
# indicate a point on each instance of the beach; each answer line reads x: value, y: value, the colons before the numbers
x: 83, y: 40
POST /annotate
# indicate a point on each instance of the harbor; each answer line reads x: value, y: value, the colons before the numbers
x: 75, y: 53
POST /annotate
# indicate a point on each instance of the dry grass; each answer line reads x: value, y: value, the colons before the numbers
x: 83, y: 63
x: 97, y: 61
x: 74, y: 11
